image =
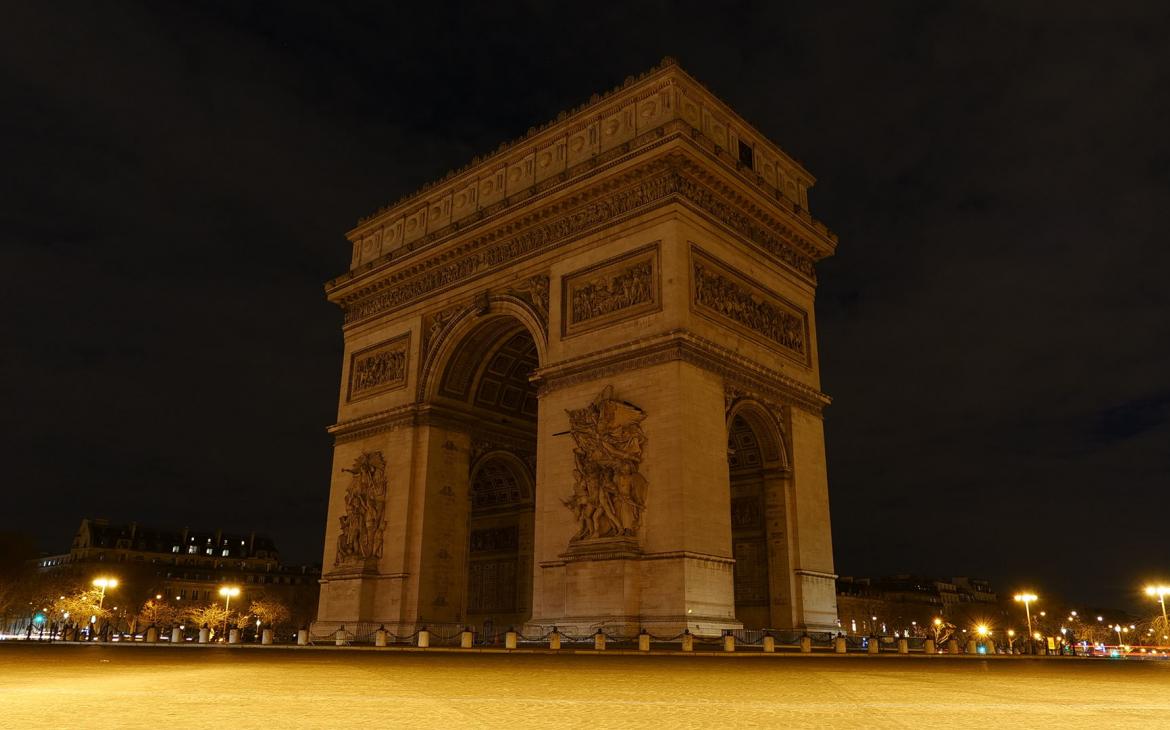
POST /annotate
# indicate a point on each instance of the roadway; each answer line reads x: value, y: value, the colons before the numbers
x: 136, y: 686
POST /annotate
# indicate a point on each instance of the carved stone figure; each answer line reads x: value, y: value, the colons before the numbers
x: 728, y: 298
x: 609, y: 293
x: 377, y: 369
x: 364, y: 520
x: 609, y: 495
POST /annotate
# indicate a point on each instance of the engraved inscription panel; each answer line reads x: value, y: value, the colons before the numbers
x: 612, y: 291
x: 735, y: 299
x: 379, y: 368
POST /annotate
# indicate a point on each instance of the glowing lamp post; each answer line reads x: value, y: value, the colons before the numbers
x: 104, y: 583
x: 1026, y: 599
x: 228, y: 593
x: 1160, y: 592
x: 1119, y: 629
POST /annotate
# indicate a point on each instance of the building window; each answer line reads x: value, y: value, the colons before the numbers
x: 747, y: 155
x: 174, y: 548
x: 192, y: 550
x: 226, y: 552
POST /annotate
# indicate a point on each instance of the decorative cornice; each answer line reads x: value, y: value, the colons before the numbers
x: 420, y: 414
x: 667, y: 77
x: 685, y: 346
x: 675, y: 178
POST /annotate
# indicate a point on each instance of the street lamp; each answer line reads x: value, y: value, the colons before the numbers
x: 1160, y: 592
x: 104, y: 583
x: 1026, y: 599
x: 1119, y: 629
x: 228, y: 593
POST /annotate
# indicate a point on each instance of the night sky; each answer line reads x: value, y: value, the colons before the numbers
x: 176, y: 180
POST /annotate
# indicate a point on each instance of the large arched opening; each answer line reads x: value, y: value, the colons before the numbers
x: 482, y: 382
x: 758, y: 473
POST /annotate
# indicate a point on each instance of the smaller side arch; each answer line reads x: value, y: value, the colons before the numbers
x: 767, y: 429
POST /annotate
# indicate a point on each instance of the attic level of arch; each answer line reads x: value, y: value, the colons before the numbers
x: 680, y: 170
x: 663, y: 101
x: 674, y: 177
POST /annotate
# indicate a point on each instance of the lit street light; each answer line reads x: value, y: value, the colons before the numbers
x: 1026, y: 599
x: 228, y: 593
x: 104, y: 583
x: 1160, y: 592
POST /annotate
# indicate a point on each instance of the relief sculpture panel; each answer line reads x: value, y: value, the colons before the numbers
x: 609, y: 495
x: 731, y: 298
x: 364, y: 521
x: 611, y: 291
x: 379, y: 368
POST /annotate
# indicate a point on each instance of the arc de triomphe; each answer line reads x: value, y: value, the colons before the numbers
x: 580, y: 385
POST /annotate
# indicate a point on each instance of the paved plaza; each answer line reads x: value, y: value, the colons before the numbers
x: 198, y: 687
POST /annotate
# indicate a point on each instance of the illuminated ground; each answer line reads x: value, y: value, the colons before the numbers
x: 199, y: 687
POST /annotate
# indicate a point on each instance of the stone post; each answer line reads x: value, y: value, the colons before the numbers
x: 266, y: 637
x: 599, y: 641
x: 688, y: 640
x: 204, y: 634
x: 929, y: 647
x: 152, y: 634
x: 554, y: 639
x: 424, y: 638
x: 729, y: 641
x: 510, y: 639
x: 769, y: 643
x: 339, y: 636
x: 643, y: 641
x: 990, y: 645
x: 903, y: 646
x: 234, y: 636
x: 303, y: 637
x: 839, y: 644
x: 953, y: 646
x: 972, y: 646
x: 466, y: 638
x: 874, y: 646
x: 805, y: 644
x: 380, y: 636
x: 176, y: 635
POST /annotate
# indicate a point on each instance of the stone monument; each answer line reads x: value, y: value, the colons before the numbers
x: 580, y: 385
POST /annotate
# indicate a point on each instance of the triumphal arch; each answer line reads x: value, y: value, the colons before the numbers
x: 580, y: 385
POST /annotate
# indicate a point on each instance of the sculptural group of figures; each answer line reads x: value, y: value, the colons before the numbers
x: 727, y: 298
x: 364, y: 521
x: 382, y: 367
x: 611, y: 293
x: 609, y: 495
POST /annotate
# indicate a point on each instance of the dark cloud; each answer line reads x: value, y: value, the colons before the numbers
x: 994, y: 330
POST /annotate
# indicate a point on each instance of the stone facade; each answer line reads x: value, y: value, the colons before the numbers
x: 585, y: 369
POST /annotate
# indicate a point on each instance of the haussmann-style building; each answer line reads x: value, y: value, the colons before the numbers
x: 580, y: 385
